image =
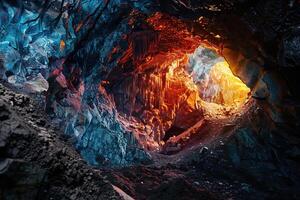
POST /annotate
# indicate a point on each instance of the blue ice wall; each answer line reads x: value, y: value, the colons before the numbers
x: 32, y: 41
x: 27, y: 46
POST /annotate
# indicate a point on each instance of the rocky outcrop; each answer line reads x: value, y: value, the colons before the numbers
x: 36, y: 162
x: 261, y: 150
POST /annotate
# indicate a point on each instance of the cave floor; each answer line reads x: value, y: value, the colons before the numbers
x: 198, y: 171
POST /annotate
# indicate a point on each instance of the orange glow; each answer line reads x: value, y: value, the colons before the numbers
x: 175, y: 85
x: 177, y: 73
x: 161, y: 92
x: 62, y: 45
x: 232, y: 90
x: 227, y: 90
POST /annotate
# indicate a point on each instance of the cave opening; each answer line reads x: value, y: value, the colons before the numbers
x: 180, y: 81
x: 164, y: 100
x: 156, y: 82
x: 218, y: 90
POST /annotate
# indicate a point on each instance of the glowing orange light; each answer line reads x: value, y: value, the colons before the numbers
x: 62, y: 45
x: 224, y: 89
x: 232, y: 90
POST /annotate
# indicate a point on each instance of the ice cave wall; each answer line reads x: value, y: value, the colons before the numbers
x: 31, y: 44
x: 101, y: 48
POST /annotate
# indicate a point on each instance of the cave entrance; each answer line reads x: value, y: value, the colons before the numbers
x: 218, y: 92
x: 176, y: 85
x: 215, y: 80
x: 165, y: 101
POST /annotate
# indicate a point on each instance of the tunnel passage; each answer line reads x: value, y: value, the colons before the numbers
x: 174, y: 86
x: 138, y: 83
x: 126, y: 84
x: 153, y: 79
x: 171, y: 99
x: 146, y: 87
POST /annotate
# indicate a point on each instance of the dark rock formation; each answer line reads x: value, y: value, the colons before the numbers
x: 35, y: 162
x: 20, y: 179
x: 109, y: 87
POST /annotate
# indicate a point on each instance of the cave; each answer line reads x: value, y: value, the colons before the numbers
x: 164, y: 99
x: 172, y: 91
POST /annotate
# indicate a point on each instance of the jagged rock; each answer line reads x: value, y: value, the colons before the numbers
x: 261, y: 90
x: 246, y: 32
x: 39, y: 164
x: 4, y: 112
x: 36, y: 85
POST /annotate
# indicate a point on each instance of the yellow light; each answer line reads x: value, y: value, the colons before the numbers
x: 62, y: 45
x: 223, y: 88
x: 231, y: 90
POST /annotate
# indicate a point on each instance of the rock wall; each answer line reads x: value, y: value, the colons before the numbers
x: 109, y: 56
